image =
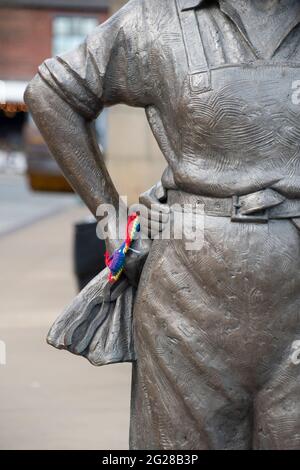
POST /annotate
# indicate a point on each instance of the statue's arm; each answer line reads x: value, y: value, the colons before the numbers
x: 70, y: 91
x: 71, y: 140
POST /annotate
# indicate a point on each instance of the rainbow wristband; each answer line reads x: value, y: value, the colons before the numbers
x: 116, y: 261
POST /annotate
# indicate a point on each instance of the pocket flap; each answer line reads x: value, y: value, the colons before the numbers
x: 200, y: 82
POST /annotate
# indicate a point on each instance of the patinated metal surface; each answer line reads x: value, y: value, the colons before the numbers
x: 215, y: 329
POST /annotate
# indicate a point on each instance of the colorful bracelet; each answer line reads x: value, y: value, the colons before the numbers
x: 116, y: 261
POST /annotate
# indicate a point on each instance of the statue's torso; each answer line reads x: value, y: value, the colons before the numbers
x: 242, y: 135
x: 226, y: 119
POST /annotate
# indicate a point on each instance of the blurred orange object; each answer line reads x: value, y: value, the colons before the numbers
x: 13, y: 107
x: 42, y: 170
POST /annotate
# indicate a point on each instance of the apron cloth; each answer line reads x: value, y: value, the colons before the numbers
x: 213, y: 336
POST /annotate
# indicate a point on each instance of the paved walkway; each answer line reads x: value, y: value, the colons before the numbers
x: 50, y: 399
x: 20, y: 207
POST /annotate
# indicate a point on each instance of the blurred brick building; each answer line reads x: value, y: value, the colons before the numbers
x: 31, y: 31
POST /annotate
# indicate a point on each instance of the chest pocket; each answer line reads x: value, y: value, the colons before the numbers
x: 199, y: 70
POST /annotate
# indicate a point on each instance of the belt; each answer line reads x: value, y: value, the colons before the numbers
x: 259, y: 206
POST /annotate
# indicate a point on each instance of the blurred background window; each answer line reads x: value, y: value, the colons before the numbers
x: 69, y: 31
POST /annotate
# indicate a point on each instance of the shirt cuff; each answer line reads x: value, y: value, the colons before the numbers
x: 70, y: 87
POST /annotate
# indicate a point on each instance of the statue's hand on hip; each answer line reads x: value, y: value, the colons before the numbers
x: 154, y: 215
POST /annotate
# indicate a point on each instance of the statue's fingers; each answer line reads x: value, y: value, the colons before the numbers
x: 151, y: 228
x: 158, y: 215
x: 148, y: 198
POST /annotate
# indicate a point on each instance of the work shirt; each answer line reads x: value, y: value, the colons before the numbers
x: 225, y: 115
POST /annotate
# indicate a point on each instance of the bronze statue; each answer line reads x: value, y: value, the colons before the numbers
x: 216, y: 331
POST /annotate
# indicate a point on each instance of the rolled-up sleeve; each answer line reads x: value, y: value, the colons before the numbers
x: 96, y: 74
